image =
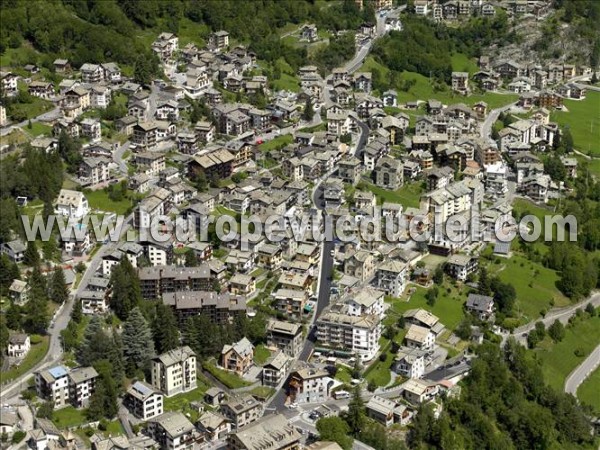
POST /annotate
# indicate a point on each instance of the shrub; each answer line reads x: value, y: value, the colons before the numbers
x: 579, y: 352
x: 18, y: 436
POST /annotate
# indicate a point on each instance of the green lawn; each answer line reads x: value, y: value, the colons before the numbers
x: 589, y: 391
x: 277, y: 143
x: 38, y: 128
x: 583, y: 120
x: 180, y: 401
x: 69, y: 417
x: 462, y: 63
x: 229, y: 379
x: 448, y: 307
x: 261, y: 354
x: 262, y: 392
x: 423, y: 90
x: 559, y: 360
x: 99, y: 199
x: 381, y: 374
x: 408, y: 195
x: 535, y: 286
x: 35, y: 355
x: 114, y: 428
x: 343, y: 374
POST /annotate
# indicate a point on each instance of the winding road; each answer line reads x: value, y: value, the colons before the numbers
x: 582, y: 371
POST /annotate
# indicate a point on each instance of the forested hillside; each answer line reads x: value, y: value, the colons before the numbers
x: 121, y: 30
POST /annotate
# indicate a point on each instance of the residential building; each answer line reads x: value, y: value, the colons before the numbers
x: 18, y: 345
x: 460, y: 82
x: 238, y: 357
x: 272, y: 432
x: 219, y: 308
x: 290, y: 302
x: 389, y: 173
x: 391, y: 277
x: 481, y: 306
x: 285, y: 336
x: 166, y: 46
x: 360, y: 264
x: 419, y: 337
x: 172, y: 431
x: 309, y: 385
x: 15, y: 250
x: 144, y: 401
x: 144, y: 134
x: 386, y: 411
x: 276, y: 368
x: 419, y: 391
x: 174, y: 372
x: 213, y: 426
x: 94, y: 170
x: 460, y: 266
x: 410, y: 362
x: 242, y: 410
x: 71, y: 203
x: 219, y: 40
x: 82, y: 384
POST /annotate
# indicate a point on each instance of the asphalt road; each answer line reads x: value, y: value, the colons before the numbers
x: 583, y: 371
x: 60, y: 322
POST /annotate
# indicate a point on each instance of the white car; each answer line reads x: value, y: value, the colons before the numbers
x: 293, y: 405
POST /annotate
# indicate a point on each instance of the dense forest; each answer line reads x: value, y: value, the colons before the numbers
x: 426, y: 48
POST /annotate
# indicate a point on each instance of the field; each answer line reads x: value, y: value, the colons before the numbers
x: 559, y: 360
x: 423, y: 90
x: 229, y: 379
x: 99, y: 200
x: 277, y: 143
x: 261, y: 354
x: 179, y: 402
x: 448, y: 307
x: 38, y: 129
x: 589, y: 391
x: 69, y: 417
x: 535, y: 286
x: 35, y: 355
x: 583, y: 120
x: 408, y: 195
x: 462, y: 63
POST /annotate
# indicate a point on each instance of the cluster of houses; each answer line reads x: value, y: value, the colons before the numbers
x: 459, y: 9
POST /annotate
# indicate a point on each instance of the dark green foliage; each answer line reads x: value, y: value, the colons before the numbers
x: 9, y: 271
x: 504, y: 404
x: 336, y: 430
x: 31, y: 256
x: 138, y: 346
x: 164, y: 329
x: 556, y: 331
x: 59, y: 292
x: 126, y: 289
x: 45, y: 410
x: 355, y: 417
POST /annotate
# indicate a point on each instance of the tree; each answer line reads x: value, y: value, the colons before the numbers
x: 126, y: 288
x: 31, y: 257
x: 309, y: 112
x: 46, y: 410
x: 357, y: 368
x: 336, y: 430
x: 356, y: 412
x: 9, y: 271
x: 138, y: 346
x: 97, y: 402
x: 165, y: 330
x: 556, y: 331
x: 77, y: 312
x: 484, y: 282
x: 590, y: 309
x: 190, y: 259
x: 438, y: 275
x: 59, y: 292
x: 432, y: 295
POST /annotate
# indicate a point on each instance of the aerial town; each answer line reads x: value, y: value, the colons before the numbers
x: 473, y: 125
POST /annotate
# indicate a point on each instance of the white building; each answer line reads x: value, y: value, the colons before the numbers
x: 82, y: 384
x: 172, y: 431
x: 419, y: 337
x: 175, y: 371
x: 71, y: 203
x: 143, y: 401
x: 410, y: 362
x: 18, y: 345
x: 496, y: 179
x: 309, y: 385
x: 367, y: 301
x: 53, y: 385
x: 391, y: 277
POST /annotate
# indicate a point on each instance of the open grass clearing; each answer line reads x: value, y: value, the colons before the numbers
x: 559, y: 359
x: 589, y: 391
x: 535, y: 286
x: 261, y: 354
x: 35, y: 355
x: 583, y: 121
x: 408, y: 195
x: 229, y: 379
